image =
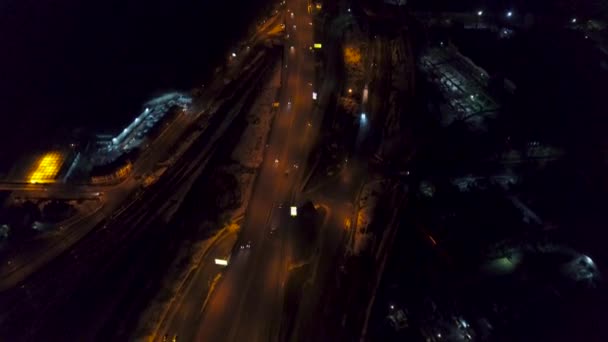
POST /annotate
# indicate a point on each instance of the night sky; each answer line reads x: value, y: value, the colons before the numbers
x: 69, y: 64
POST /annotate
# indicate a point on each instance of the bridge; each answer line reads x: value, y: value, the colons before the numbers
x: 54, y: 190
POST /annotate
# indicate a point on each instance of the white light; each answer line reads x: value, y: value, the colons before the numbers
x: 573, y: 20
x: 147, y: 109
x: 293, y: 211
x: 392, y: 307
x: 480, y: 13
x: 136, y: 120
x: 233, y: 54
x: 363, y: 117
x: 314, y: 95
x: 472, y: 97
x: 114, y: 140
x: 221, y: 262
x: 509, y: 14
x: 349, y: 10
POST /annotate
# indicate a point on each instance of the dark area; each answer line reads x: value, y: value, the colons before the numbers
x: 124, y: 288
x: 449, y: 170
x: 92, y: 64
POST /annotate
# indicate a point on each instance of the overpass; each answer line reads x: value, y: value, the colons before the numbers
x: 55, y: 190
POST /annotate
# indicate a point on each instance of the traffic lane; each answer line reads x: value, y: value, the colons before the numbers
x: 262, y: 307
x: 257, y: 319
x: 266, y: 188
x: 186, y: 312
x: 264, y: 272
x: 262, y: 290
x: 304, y: 75
x: 224, y: 312
x: 225, y: 303
x: 218, y: 314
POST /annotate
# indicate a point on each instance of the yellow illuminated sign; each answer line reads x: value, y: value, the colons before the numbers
x: 318, y: 45
x: 47, y: 168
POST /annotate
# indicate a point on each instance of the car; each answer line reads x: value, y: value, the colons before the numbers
x: 248, y: 245
x: 295, y: 165
x: 287, y: 172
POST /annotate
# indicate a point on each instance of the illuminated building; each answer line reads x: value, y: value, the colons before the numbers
x: 47, y: 168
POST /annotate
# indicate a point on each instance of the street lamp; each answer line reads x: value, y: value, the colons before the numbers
x: 509, y: 14
x: 573, y: 20
x: 479, y: 13
x: 233, y: 54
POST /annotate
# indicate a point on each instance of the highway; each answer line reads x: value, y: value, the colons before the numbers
x: 247, y: 303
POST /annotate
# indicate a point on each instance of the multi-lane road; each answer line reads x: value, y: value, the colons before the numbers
x: 247, y: 303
